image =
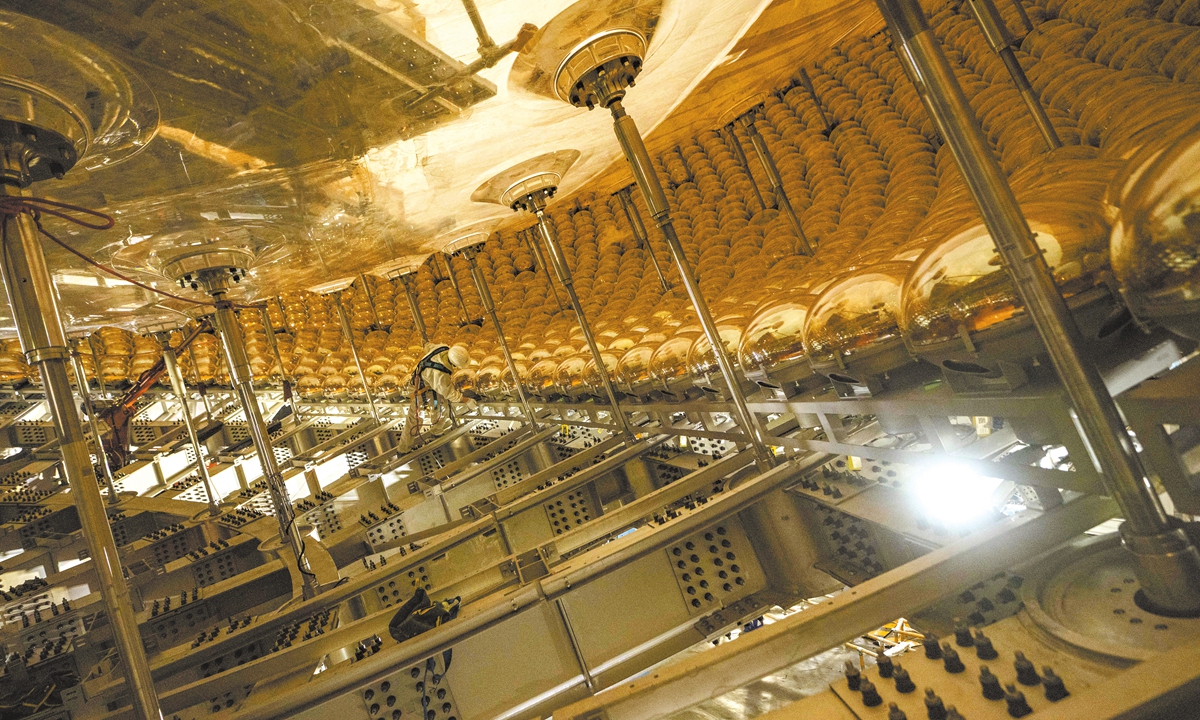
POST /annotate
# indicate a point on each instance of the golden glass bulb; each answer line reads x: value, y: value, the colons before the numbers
x: 1156, y: 238
x: 960, y: 284
x: 857, y: 314
x: 668, y: 364
x: 541, y: 376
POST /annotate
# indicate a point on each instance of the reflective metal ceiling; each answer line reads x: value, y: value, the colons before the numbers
x: 288, y: 128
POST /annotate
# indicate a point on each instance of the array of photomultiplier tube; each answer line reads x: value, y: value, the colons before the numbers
x: 904, y: 272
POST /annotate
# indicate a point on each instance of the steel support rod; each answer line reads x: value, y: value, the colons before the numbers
x: 1001, y: 40
x: 782, y: 201
x: 366, y: 288
x: 288, y: 379
x: 1168, y: 565
x: 656, y: 201
x: 457, y: 291
x: 410, y: 292
x: 489, y: 307
x: 34, y: 304
x: 537, y: 203
x: 96, y: 361
x: 199, y: 383
x: 85, y: 394
x: 639, y: 233
x: 807, y: 82
x: 215, y: 282
x: 175, y: 376
x: 485, y: 41
x: 739, y: 153
x: 540, y: 259
x: 349, y: 333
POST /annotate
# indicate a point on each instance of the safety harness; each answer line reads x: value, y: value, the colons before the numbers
x: 422, y: 393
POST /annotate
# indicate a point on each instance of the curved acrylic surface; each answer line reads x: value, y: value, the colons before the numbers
x: 269, y: 102
x: 68, y: 84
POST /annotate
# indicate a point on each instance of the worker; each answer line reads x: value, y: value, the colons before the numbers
x: 433, y: 392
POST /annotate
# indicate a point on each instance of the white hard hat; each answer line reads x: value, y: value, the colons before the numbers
x: 459, y: 357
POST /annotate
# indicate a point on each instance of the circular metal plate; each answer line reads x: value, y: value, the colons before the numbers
x: 539, y: 173
x: 1084, y: 596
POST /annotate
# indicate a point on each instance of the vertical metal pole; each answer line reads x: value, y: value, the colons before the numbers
x: 34, y: 304
x: 215, y: 282
x: 86, y: 394
x: 739, y: 153
x: 457, y: 291
x: 180, y: 390
x: 538, y: 203
x: 411, y: 292
x: 196, y: 372
x: 1021, y: 13
x: 349, y: 333
x: 806, y: 81
x: 485, y: 40
x: 781, y: 199
x: 536, y: 249
x: 656, y: 200
x: 362, y: 279
x: 1168, y: 565
x: 639, y: 232
x: 274, y: 345
x: 489, y: 306
x: 96, y: 361
x: 1001, y: 40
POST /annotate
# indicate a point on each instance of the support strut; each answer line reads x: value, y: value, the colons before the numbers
x: 34, y: 305
x: 1167, y: 564
x: 216, y: 283
x: 489, y: 307
x: 180, y: 390
x: 782, y: 201
x: 1002, y: 42
x: 536, y: 203
x: 639, y: 232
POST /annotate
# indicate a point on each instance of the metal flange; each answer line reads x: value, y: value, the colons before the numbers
x: 598, y: 70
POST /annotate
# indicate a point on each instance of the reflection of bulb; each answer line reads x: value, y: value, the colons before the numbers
x: 955, y: 495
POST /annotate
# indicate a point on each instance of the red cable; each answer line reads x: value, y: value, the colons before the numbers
x: 13, y: 206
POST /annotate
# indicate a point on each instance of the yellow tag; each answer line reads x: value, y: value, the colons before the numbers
x: 853, y: 463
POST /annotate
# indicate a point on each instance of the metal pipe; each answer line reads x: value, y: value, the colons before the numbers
x: 782, y: 201
x: 1001, y: 40
x: 639, y: 232
x: 86, y: 394
x: 485, y: 40
x: 457, y: 291
x: 1021, y: 13
x: 215, y: 282
x: 411, y: 293
x: 177, y: 386
x: 806, y: 81
x: 1168, y: 565
x: 538, y: 204
x: 272, y: 343
x: 366, y: 288
x: 199, y: 384
x: 96, y: 360
x: 489, y: 306
x: 349, y: 333
x: 34, y: 305
x: 540, y: 259
x: 656, y: 201
x: 739, y: 153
